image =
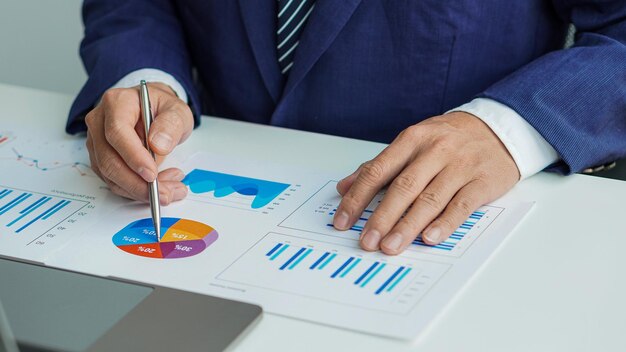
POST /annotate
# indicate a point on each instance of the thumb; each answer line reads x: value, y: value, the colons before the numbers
x: 170, y: 128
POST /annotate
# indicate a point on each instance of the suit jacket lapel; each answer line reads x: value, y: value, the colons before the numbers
x: 259, y: 18
x: 325, y: 23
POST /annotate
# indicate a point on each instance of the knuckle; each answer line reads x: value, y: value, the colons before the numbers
x: 94, y: 118
x: 111, y: 96
x: 405, y: 183
x: 443, y: 145
x: 380, y: 218
x: 463, y: 205
x: 134, y: 189
x: 183, y: 109
x: 480, y: 176
x: 110, y: 166
x: 447, y: 223
x: 172, y: 121
x: 411, y: 225
x: 349, y: 202
x: 113, y: 131
x: 89, y: 119
x: 372, y: 172
x: 430, y: 199
x: 411, y: 132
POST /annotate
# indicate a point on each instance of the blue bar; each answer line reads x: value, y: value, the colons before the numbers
x: 14, y: 202
x: 273, y: 249
x: 55, y: 210
x: 11, y: 202
x: 308, y: 251
x: 393, y: 276
x: 4, y: 193
x: 398, y: 280
x: 317, y: 262
x: 293, y: 257
x: 350, y: 267
x: 365, y: 273
x: 32, y: 205
x: 343, y: 266
x: 37, y: 204
x: 382, y: 265
x: 332, y: 256
x: 54, y: 207
x: 442, y: 245
x: 447, y: 248
x: 282, y: 249
x: 353, y: 228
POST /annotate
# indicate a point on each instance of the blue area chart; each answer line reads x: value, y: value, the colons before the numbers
x: 222, y: 185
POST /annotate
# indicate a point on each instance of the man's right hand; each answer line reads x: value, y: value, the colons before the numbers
x: 115, y: 137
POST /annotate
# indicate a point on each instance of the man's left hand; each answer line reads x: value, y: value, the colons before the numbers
x: 438, y: 171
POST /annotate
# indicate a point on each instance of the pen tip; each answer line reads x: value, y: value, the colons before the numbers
x: 143, y: 82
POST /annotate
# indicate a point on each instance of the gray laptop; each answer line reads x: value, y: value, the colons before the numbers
x: 46, y: 309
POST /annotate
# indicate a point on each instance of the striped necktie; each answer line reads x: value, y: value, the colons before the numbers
x: 292, y: 16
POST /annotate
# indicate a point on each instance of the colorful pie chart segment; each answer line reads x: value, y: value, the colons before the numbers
x: 180, y: 238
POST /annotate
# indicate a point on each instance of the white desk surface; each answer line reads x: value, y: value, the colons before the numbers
x: 558, y: 283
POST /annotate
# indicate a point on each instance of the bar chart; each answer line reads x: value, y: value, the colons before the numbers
x: 316, y: 215
x: 30, y: 214
x: 334, y: 273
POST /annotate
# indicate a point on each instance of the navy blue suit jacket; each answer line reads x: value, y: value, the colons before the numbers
x: 370, y: 68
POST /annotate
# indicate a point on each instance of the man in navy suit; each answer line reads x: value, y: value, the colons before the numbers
x: 472, y: 95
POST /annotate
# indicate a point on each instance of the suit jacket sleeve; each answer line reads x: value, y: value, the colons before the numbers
x: 576, y: 97
x: 122, y: 36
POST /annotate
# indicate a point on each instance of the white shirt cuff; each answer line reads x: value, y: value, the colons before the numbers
x: 152, y: 75
x: 530, y: 151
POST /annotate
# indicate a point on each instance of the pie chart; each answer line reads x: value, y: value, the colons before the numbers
x: 180, y: 238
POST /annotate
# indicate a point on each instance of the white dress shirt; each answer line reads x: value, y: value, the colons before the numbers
x: 530, y: 151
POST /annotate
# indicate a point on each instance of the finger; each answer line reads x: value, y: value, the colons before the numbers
x: 121, y: 115
x: 92, y: 157
x: 113, y: 168
x: 373, y: 176
x: 403, y: 191
x: 171, y: 174
x: 464, y: 203
x: 171, y: 187
x: 173, y: 124
x: 171, y: 191
x: 344, y: 185
x: 427, y: 206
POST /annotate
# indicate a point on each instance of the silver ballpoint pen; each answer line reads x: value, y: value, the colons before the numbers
x: 153, y: 193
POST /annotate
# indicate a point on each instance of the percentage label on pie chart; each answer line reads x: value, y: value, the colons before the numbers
x: 180, y: 238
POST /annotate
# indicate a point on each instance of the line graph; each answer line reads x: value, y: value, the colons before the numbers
x: 5, y: 138
x: 83, y: 169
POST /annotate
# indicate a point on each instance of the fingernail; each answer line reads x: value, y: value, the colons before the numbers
x: 146, y: 174
x: 162, y: 141
x: 433, y: 235
x: 393, y: 242
x: 180, y: 193
x: 371, y: 239
x: 341, y: 220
